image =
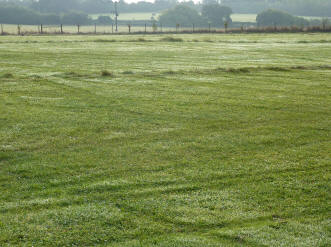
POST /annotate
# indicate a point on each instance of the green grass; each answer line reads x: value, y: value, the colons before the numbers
x: 212, y: 141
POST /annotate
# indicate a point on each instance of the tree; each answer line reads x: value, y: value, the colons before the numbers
x: 18, y: 15
x: 50, y: 19
x: 182, y: 15
x: 217, y: 14
x: 55, y: 6
x: 75, y: 18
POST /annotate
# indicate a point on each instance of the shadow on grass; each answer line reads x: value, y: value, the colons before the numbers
x: 171, y: 39
x: 7, y: 75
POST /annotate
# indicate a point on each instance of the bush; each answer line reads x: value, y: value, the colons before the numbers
x: 280, y: 19
x: 104, y: 20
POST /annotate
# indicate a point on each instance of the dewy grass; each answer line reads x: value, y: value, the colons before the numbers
x: 181, y: 152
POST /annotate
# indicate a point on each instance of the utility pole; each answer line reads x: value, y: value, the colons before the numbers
x: 115, y: 12
x: 116, y: 15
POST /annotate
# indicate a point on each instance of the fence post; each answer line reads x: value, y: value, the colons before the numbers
x: 61, y: 29
x: 193, y: 28
x: 95, y: 28
x: 129, y: 26
x: 325, y: 22
x: 177, y: 27
x: 145, y: 28
x: 112, y: 28
x: 209, y: 27
x: 2, y: 33
x: 41, y: 28
x: 18, y: 29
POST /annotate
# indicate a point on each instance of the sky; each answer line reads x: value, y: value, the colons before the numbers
x: 135, y: 1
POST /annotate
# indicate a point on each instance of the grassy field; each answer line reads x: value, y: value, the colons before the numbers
x: 188, y: 140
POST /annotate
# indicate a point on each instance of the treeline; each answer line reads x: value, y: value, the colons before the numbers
x: 21, y: 15
x: 295, y: 7
x: 320, y: 8
x: 216, y: 15
x: 94, y: 6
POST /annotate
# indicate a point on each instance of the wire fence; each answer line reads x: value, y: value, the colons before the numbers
x: 11, y: 29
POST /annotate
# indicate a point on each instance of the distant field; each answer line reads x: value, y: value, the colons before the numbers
x: 147, y: 16
x: 252, y: 17
x: 244, y: 17
x: 172, y: 141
